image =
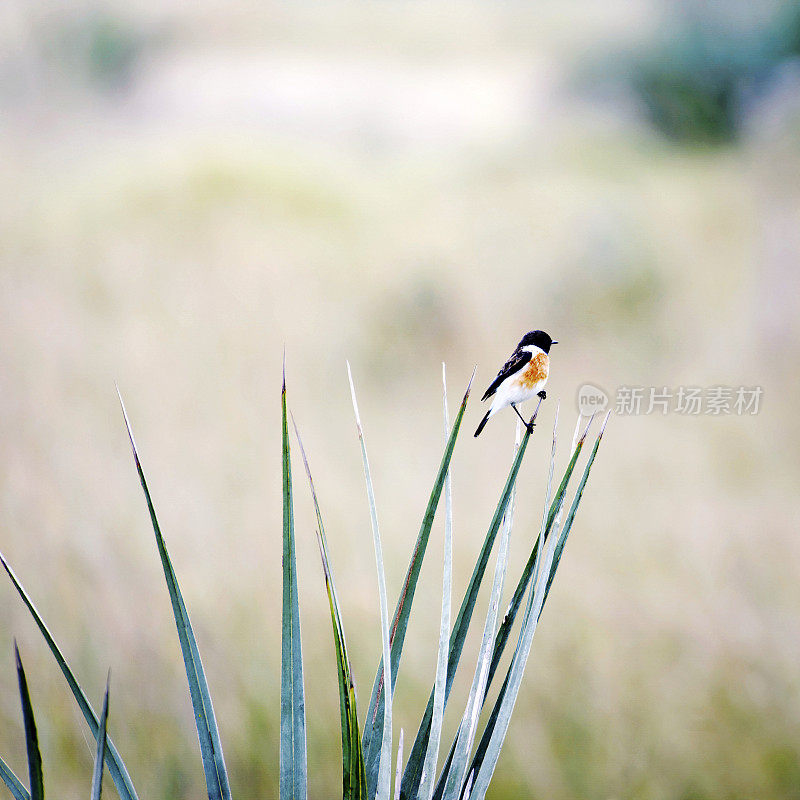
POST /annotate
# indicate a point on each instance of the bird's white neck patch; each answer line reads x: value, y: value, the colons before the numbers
x: 532, y: 349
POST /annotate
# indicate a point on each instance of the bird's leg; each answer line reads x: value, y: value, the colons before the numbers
x: 528, y: 425
x: 542, y: 394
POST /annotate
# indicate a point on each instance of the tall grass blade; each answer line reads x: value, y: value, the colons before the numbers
x: 373, y: 727
x: 413, y: 771
x: 13, y: 783
x: 353, y: 781
x: 432, y: 752
x: 116, y: 767
x: 207, y: 731
x: 100, y: 756
x: 293, y: 765
x: 31, y: 737
x: 469, y: 722
x: 487, y: 754
x: 382, y: 786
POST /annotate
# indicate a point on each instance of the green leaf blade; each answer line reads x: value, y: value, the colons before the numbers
x: 13, y: 783
x: 384, y: 767
x: 434, y: 740
x: 217, y: 783
x: 353, y: 785
x: 31, y: 737
x: 293, y: 763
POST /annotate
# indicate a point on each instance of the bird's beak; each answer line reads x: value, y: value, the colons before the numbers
x: 553, y: 342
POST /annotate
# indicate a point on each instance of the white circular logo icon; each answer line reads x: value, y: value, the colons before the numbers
x: 591, y: 399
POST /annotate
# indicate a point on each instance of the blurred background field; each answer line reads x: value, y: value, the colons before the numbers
x: 189, y: 187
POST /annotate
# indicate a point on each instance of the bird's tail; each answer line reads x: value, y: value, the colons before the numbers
x: 483, y: 422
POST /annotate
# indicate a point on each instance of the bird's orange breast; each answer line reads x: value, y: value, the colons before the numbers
x: 536, y: 371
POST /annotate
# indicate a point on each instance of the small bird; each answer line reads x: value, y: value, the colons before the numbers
x: 522, y: 376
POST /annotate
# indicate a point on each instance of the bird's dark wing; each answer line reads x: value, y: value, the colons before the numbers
x: 519, y: 358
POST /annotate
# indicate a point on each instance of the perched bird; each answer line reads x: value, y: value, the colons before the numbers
x: 522, y: 377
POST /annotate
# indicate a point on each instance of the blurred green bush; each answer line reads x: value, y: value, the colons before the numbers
x: 696, y: 80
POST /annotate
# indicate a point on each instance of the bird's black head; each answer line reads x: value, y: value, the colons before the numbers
x: 541, y: 339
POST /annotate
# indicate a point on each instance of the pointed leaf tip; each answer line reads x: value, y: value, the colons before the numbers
x: 586, y: 429
x: 303, y: 454
x: 127, y: 423
x: 472, y: 378
x: 353, y: 397
x: 102, y: 737
x: 31, y: 736
x: 208, y: 734
x: 292, y: 755
x: 605, y: 422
